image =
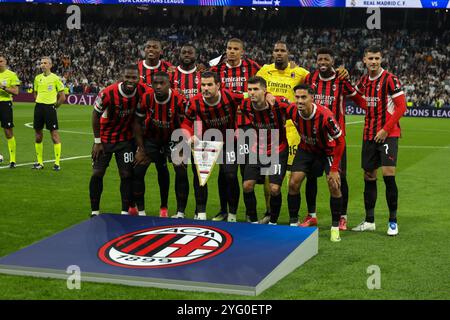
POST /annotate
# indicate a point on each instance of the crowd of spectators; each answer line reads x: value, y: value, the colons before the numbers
x: 89, y: 59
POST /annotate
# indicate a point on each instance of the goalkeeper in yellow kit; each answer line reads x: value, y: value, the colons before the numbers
x: 281, y: 77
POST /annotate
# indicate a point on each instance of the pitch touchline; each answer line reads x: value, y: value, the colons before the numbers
x: 30, y: 125
x: 63, y: 159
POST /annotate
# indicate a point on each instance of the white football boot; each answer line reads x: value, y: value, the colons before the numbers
x: 365, y: 226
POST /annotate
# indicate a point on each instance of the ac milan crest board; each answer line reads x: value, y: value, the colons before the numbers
x: 183, y: 254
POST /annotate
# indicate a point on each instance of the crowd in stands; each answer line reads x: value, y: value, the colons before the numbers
x: 89, y: 59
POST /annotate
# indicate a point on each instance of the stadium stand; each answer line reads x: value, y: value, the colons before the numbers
x: 88, y: 59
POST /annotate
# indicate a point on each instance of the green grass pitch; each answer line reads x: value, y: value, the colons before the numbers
x: 414, y: 265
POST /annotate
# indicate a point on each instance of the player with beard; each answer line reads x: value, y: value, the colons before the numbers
x: 234, y: 70
x: 147, y: 68
x: 216, y: 108
x: 331, y: 92
x: 112, y: 120
x: 160, y: 113
x: 186, y: 77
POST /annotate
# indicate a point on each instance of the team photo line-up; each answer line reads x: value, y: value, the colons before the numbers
x: 280, y: 108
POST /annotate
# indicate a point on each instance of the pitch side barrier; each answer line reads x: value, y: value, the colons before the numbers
x: 351, y: 109
x: 414, y: 112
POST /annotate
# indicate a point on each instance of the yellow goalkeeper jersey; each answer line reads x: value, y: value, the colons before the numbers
x: 282, y: 83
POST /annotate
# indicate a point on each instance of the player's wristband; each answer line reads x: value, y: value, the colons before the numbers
x: 97, y: 140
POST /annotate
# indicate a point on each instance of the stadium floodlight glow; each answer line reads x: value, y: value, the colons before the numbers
x: 241, y: 8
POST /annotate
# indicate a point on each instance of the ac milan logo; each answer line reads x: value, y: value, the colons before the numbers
x: 162, y: 247
x: 333, y: 87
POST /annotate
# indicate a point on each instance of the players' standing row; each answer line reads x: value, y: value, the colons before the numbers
x: 135, y: 118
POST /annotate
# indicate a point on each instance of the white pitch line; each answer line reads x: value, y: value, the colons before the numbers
x: 63, y: 159
x: 30, y: 125
x: 354, y: 122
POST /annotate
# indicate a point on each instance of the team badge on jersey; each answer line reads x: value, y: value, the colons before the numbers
x: 293, y: 75
x: 163, y: 246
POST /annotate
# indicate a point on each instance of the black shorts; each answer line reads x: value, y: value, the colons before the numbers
x: 307, y: 162
x: 275, y: 171
x: 375, y: 155
x: 6, y: 114
x: 158, y: 153
x: 45, y: 114
x: 318, y: 168
x: 124, y: 154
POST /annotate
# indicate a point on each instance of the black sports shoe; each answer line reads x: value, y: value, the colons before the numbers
x: 37, y: 166
x: 12, y: 165
x: 293, y: 222
x: 56, y: 168
x: 221, y: 216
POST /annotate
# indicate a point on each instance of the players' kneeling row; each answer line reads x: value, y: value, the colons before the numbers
x: 161, y: 110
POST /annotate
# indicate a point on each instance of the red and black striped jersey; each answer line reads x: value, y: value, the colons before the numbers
x: 146, y: 72
x: 188, y: 82
x: 273, y: 117
x: 235, y: 78
x: 117, y: 112
x: 318, y: 131
x: 221, y: 115
x: 161, y: 117
x: 331, y: 93
x: 379, y: 93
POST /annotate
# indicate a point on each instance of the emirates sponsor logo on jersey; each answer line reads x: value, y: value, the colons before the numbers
x: 163, y: 247
x: 218, y: 122
x: 123, y: 112
x: 309, y: 140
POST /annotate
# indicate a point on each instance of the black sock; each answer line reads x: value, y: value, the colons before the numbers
x: 294, y: 201
x: 164, y: 183
x: 344, y: 191
x: 370, y: 198
x: 250, y: 205
x: 181, y: 188
x: 201, y: 193
x: 126, y: 189
x: 275, y: 207
x: 233, y: 192
x: 95, y: 192
x: 139, y: 186
x: 391, y: 197
x: 336, y: 209
x: 311, y: 193
x: 223, y: 192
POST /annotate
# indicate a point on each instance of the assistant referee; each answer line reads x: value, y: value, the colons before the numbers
x: 49, y: 95
x: 9, y: 86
